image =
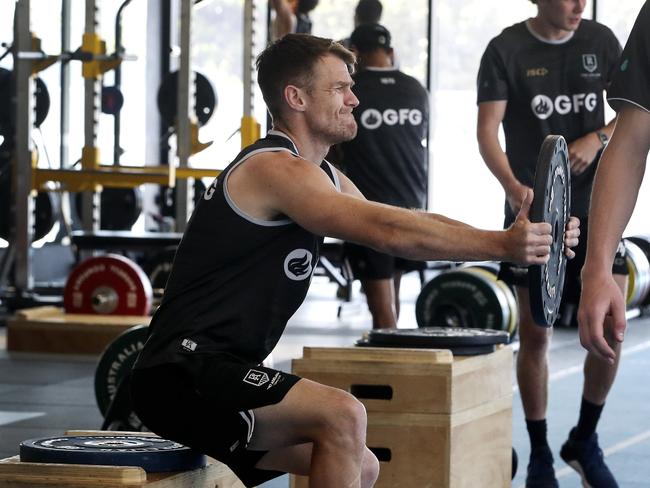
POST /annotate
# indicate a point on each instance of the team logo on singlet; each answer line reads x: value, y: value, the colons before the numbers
x: 298, y: 264
x: 544, y: 106
x: 590, y: 62
x: 371, y: 118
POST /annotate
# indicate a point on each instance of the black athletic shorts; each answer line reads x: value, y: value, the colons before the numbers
x: 208, y: 406
x: 517, y: 275
x: 368, y: 264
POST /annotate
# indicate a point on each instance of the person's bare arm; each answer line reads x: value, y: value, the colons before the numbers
x: 274, y: 184
x: 490, y: 116
x: 583, y: 151
x: 283, y: 22
x: 618, y: 179
x: 614, y: 195
x: 347, y: 186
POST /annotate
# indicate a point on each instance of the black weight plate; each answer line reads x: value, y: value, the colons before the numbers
x: 152, y: 454
x: 158, y: 268
x: 551, y: 204
x: 459, y: 298
x: 120, y: 207
x: 115, y: 362
x: 46, y: 209
x: 205, y: 99
x: 438, y: 337
x: 455, y: 350
x: 642, y: 242
x: 112, y: 100
x: 7, y: 103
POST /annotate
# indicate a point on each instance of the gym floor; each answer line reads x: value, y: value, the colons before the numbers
x: 44, y: 395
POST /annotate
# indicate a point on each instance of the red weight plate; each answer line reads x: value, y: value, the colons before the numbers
x: 108, y: 285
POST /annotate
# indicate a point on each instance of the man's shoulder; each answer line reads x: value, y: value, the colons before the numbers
x: 591, y: 29
x: 509, y: 35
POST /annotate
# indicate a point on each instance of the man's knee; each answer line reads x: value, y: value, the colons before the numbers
x: 344, y: 417
x: 369, y: 469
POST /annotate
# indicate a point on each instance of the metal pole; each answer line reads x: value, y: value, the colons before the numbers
x: 431, y: 89
x: 22, y: 161
x: 117, y: 150
x: 92, y: 104
x: 64, y: 120
x: 250, y: 129
x: 184, y: 109
x: 165, y: 52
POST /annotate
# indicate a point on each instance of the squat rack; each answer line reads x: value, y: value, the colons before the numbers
x: 26, y: 177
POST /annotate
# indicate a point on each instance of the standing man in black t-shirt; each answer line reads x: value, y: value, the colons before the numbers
x: 387, y: 161
x: 244, y: 265
x: 544, y: 76
x: 620, y: 173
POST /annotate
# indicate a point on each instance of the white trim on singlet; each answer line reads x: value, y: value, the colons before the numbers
x: 548, y: 41
x: 335, y: 175
x: 619, y: 99
x: 239, y: 211
x: 255, y: 220
x: 276, y: 132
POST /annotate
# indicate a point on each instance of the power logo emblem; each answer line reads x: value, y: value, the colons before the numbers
x: 298, y: 264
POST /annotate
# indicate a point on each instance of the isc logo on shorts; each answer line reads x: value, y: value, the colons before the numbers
x: 256, y: 378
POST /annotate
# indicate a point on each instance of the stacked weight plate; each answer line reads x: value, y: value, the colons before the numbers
x: 468, y: 296
x: 638, y: 265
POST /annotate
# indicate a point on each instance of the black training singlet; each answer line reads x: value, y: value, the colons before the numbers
x: 632, y: 79
x: 236, y: 280
x: 551, y: 88
x: 387, y: 160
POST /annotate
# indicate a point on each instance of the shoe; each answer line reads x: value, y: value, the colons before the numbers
x: 586, y: 457
x: 540, y: 469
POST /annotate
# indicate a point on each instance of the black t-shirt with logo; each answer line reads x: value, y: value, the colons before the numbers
x: 551, y: 88
x: 387, y: 160
x: 236, y: 280
x: 631, y: 82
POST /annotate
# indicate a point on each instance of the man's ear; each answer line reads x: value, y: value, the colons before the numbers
x: 295, y: 98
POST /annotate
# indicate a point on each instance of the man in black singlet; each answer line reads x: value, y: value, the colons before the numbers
x: 544, y: 76
x: 386, y: 161
x: 620, y: 173
x: 244, y: 265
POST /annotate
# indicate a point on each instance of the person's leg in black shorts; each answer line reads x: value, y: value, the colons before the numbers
x: 376, y: 271
x: 259, y: 421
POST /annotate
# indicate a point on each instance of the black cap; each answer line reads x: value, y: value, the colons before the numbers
x: 368, y: 37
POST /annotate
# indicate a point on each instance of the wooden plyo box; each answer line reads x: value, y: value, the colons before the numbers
x: 434, y: 420
x: 16, y: 474
x: 50, y: 330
